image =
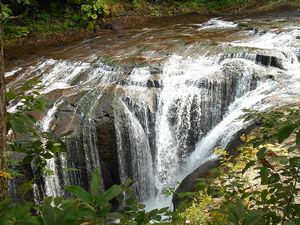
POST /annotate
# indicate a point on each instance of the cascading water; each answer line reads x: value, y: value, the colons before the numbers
x: 156, y: 114
x: 140, y: 168
x: 53, y: 186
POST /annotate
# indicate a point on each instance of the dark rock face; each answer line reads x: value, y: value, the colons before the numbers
x: 269, y: 61
x: 91, y: 145
x: 188, y: 184
x: 106, y: 135
x: 111, y: 26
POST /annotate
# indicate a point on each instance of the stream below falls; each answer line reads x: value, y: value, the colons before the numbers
x: 151, y: 103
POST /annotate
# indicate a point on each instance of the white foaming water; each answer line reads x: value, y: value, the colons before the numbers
x: 11, y: 73
x: 267, y: 95
x: 140, y: 76
x: 217, y: 23
x: 48, y: 118
x: 139, y: 151
x: 231, y: 123
x: 52, y: 184
x: 272, y: 40
x: 176, y: 94
x: 62, y: 74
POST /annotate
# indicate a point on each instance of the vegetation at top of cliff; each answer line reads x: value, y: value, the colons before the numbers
x: 37, y: 17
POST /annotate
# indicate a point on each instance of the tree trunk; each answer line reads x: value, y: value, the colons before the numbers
x: 3, y: 162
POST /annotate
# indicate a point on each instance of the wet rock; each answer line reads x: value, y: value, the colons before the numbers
x: 267, y: 60
x: 92, y: 143
x: 188, y: 184
x: 243, y: 24
x: 246, y: 26
x: 150, y: 84
x: 66, y: 107
x: 263, y: 32
x: 111, y: 26
x: 155, y: 70
x: 70, y: 120
x: 156, y: 83
x: 106, y: 135
x: 236, y: 141
x: 250, y: 28
x: 153, y: 84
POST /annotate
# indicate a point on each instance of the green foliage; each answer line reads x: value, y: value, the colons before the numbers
x: 93, y: 208
x: 11, y: 213
x: 5, y: 12
x: 137, y: 3
x: 17, y: 31
x: 92, y: 10
x: 191, y: 4
x: 39, y: 17
x: 27, y: 2
x: 223, y: 4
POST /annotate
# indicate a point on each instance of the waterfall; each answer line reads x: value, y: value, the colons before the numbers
x: 53, y: 186
x: 174, y: 115
x: 137, y: 151
x: 187, y: 110
x: 156, y: 114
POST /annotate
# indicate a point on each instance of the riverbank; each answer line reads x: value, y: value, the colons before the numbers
x: 128, y: 17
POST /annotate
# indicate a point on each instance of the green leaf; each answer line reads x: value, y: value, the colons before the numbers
x: 95, y: 184
x: 298, y: 138
x: 63, y: 214
x: 111, y: 193
x: 80, y: 193
x: 253, y: 217
x: 215, y: 192
x: 248, y: 165
x: 261, y: 153
x: 57, y: 200
x: 240, y: 209
x: 200, y: 184
x: 94, y: 16
x: 264, y: 173
x: 264, y: 195
x: 286, y: 131
x: 48, y: 214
